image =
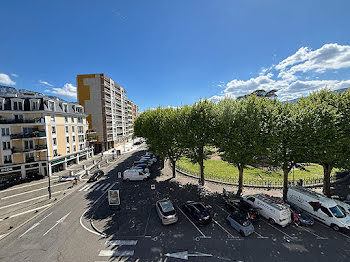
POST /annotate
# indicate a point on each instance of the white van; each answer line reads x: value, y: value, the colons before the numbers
x: 343, y: 206
x: 319, y: 206
x: 135, y: 175
x: 273, y: 209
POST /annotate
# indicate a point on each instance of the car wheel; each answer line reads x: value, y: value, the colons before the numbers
x: 145, y: 179
x: 272, y: 222
x: 241, y: 233
x: 336, y: 228
x: 127, y: 180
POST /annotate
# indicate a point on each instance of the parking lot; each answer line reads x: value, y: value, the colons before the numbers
x: 138, y: 220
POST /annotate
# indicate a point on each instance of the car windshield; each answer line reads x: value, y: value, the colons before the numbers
x: 167, y: 208
x: 200, y: 207
x: 337, y: 212
x: 241, y: 219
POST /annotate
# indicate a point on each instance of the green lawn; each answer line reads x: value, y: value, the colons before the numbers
x: 223, y: 170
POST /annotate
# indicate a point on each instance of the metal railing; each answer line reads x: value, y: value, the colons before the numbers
x: 29, y: 135
x: 254, y: 182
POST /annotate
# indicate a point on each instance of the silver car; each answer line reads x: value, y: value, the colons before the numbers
x: 166, y: 212
x: 241, y: 223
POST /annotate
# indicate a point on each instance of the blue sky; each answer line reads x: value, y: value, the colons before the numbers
x: 175, y: 52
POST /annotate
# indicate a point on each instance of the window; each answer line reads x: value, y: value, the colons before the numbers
x: 28, y: 144
x: 66, y: 119
x: 326, y: 211
x: 6, y: 145
x: 337, y: 212
x: 81, y: 139
x: 65, y: 108
x: 35, y: 105
x: 17, y: 105
x: 54, y: 141
x: 1, y: 105
x: 53, y: 130
x: 55, y: 152
x: 19, y: 117
x: 67, y: 139
x: 5, y: 131
x: 252, y: 199
x: 73, y: 138
x: 52, y: 106
x: 81, y: 147
x: 68, y: 149
x: 73, y: 129
x: 74, y: 148
x: 7, y: 159
x: 52, y: 118
x: 72, y: 119
x: 80, y: 130
x: 67, y: 129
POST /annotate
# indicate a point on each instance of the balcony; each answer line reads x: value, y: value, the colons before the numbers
x: 8, y: 162
x: 34, y: 134
x: 16, y: 150
x: 30, y: 159
x: 22, y: 121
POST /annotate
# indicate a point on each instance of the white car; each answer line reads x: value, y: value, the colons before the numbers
x: 166, y: 212
x: 135, y: 175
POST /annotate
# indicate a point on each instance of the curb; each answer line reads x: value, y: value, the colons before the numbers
x: 258, y: 186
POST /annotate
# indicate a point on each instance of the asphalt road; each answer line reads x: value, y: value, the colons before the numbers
x: 134, y: 233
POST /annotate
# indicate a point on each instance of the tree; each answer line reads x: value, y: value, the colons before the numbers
x: 325, y: 141
x: 285, y: 132
x: 199, y: 119
x: 240, y: 132
x: 163, y: 129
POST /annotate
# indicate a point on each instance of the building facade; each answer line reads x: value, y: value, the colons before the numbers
x: 39, y: 134
x: 110, y: 113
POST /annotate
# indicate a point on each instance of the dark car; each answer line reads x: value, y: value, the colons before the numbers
x: 243, y: 207
x: 142, y: 165
x: 98, y: 174
x: 304, y: 219
x: 198, y: 212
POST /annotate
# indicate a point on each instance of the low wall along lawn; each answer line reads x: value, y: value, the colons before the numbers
x: 222, y: 171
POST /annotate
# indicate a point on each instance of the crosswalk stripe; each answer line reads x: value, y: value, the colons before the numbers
x: 91, y: 188
x: 111, y: 186
x: 81, y: 189
x: 117, y: 253
x: 97, y: 188
x: 121, y: 242
x: 104, y: 188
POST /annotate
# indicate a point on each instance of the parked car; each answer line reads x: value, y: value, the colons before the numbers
x: 304, y: 218
x: 135, y: 175
x: 198, y: 212
x: 273, y: 209
x: 319, y: 206
x: 96, y: 176
x: 166, y: 212
x: 344, y: 206
x: 142, y: 165
x: 240, y: 223
x: 238, y: 204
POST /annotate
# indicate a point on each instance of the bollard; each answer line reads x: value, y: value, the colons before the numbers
x: 93, y: 162
x: 84, y: 167
x: 71, y: 173
x: 87, y: 172
x: 98, y: 166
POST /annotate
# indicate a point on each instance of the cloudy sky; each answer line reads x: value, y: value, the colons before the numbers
x: 175, y: 52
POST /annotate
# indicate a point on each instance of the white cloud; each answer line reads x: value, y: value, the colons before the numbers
x: 45, y: 83
x: 15, y: 75
x: 6, y: 80
x: 68, y: 90
x: 288, y: 82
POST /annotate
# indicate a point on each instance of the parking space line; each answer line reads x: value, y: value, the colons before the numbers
x: 330, y: 228
x: 25, y: 212
x: 192, y: 223
x: 228, y: 233
x: 149, y: 215
x: 19, y: 194
x: 284, y: 233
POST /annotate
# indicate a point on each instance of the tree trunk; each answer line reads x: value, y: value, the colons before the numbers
x: 201, y: 165
x: 240, y: 180
x: 285, y: 183
x: 173, y: 166
x: 162, y: 163
x: 327, y: 169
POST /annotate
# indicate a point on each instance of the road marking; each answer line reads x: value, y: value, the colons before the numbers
x: 23, y: 193
x: 192, y: 222
x: 10, y: 189
x: 224, y: 229
x: 32, y: 227
x: 117, y: 253
x: 81, y: 189
x: 28, y: 200
x: 184, y: 255
x: 105, y: 187
x: 25, y: 212
x: 333, y: 230
x: 121, y: 243
x: 93, y: 187
x: 318, y: 237
x: 58, y: 222
x: 97, y: 188
x: 45, y: 217
x: 4, y: 235
x: 284, y: 233
x: 111, y: 186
